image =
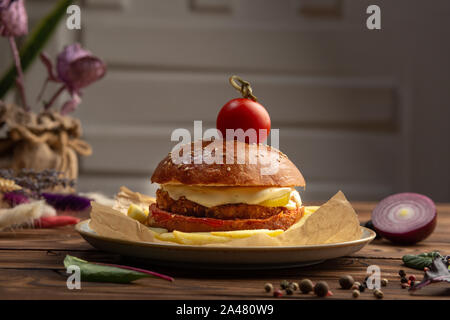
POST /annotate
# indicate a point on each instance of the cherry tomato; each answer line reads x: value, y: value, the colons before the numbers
x: 244, y: 114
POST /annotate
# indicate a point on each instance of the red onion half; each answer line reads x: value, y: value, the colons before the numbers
x: 405, y: 218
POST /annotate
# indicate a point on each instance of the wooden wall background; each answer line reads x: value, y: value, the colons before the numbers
x: 363, y: 111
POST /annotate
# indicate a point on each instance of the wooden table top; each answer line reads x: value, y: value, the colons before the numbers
x: 31, y: 267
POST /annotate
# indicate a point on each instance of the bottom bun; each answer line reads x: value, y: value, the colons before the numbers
x: 171, y: 221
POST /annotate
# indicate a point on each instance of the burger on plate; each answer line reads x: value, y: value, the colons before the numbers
x: 227, y: 196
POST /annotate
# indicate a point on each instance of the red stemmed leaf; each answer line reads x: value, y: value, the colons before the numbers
x: 151, y: 273
x: 437, y: 272
x: 100, y: 272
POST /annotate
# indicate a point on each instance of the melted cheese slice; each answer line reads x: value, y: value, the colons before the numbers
x: 216, y: 196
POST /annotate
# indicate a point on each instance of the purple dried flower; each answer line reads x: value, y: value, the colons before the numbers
x: 70, y: 105
x: 76, y: 68
x: 13, y: 18
x: 65, y: 202
x: 15, y: 198
x: 14, y: 23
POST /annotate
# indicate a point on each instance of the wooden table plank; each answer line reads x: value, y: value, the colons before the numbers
x: 63, y: 238
x: 48, y: 280
x: 31, y: 267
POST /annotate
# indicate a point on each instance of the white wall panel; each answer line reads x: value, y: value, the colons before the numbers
x: 355, y: 107
x: 152, y: 97
x: 197, y: 45
x: 331, y: 91
x: 334, y: 158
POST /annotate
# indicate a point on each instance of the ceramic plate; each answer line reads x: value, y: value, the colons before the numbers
x: 223, y: 257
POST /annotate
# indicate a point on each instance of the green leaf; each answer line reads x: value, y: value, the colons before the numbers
x: 35, y: 42
x: 420, y: 261
x: 101, y: 273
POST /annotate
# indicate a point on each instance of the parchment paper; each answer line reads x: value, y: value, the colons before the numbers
x: 335, y: 221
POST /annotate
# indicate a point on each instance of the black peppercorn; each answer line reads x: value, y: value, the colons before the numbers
x: 402, y: 273
x: 289, y: 291
x: 306, y: 286
x: 321, y: 289
x: 361, y: 288
x: 365, y: 281
x: 346, y: 282
x: 403, y: 280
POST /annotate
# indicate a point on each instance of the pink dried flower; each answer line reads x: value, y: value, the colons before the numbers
x: 70, y: 105
x: 76, y: 68
x: 13, y: 18
x: 14, y: 23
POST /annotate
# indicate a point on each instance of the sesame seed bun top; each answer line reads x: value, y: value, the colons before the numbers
x: 242, y: 164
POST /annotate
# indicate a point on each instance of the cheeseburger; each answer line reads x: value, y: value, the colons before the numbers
x: 230, y: 195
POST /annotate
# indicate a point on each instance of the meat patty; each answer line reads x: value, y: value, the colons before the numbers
x: 170, y: 221
x: 185, y: 207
